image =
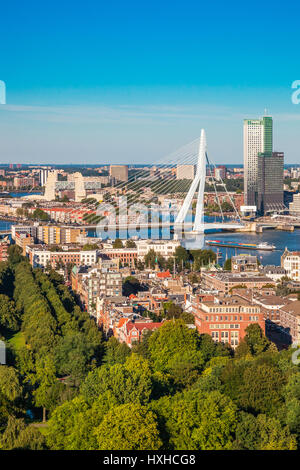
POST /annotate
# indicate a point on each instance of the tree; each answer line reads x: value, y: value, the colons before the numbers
x: 255, y: 387
x: 196, y: 420
x: 174, y: 348
x: 10, y: 387
x: 74, y: 354
x: 263, y: 433
x: 150, y: 259
x: 129, y: 427
x: 15, y: 255
x: 46, y: 379
x: 39, y: 214
x: 115, y: 352
x: 181, y: 256
x: 9, y: 317
x: 227, y: 265
x: 18, y: 436
x: 118, y: 243
x: 202, y: 258
x: 128, y: 382
x: 62, y: 423
x: 130, y: 244
x: 171, y: 310
x: 256, y: 339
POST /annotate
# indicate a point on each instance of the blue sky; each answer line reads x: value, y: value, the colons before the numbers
x: 118, y: 81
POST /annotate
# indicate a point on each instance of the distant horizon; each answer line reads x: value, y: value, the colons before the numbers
x: 135, y: 165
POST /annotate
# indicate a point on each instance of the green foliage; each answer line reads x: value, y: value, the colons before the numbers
x: 115, y: 352
x: 39, y: 214
x: 227, y: 265
x: 174, y: 348
x: 128, y: 382
x: 174, y: 390
x: 197, y: 421
x: 202, y: 258
x: 263, y: 433
x: 10, y: 387
x: 128, y: 427
x: 130, y: 244
x: 118, y: 243
x: 255, y: 339
x: 18, y: 436
x: 9, y: 317
x: 15, y: 255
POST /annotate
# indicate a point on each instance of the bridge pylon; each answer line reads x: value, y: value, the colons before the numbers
x: 198, y: 184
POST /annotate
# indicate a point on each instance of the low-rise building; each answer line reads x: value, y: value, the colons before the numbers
x: 224, y: 282
x: 130, y: 332
x: 160, y: 247
x: 126, y: 256
x: 244, y: 263
x: 41, y: 256
x: 23, y: 240
x: 290, y: 321
x: 276, y: 273
x: 290, y: 261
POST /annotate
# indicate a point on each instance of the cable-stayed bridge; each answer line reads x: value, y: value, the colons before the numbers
x: 178, y: 196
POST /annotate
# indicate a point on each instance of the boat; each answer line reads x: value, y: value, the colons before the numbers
x: 264, y: 246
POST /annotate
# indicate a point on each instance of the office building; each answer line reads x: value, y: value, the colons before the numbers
x: 43, y: 176
x: 119, y: 172
x: 270, y: 182
x: 226, y: 319
x: 258, y: 138
x: 294, y: 207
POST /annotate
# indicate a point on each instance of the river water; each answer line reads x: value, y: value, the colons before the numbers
x: 280, y: 239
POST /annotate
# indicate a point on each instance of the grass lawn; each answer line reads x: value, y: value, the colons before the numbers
x: 17, y: 340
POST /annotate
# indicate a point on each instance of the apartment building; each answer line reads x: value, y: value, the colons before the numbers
x: 290, y: 261
x: 290, y: 321
x: 224, y: 282
x: 161, y: 247
x: 244, y: 263
x: 23, y: 240
x: 226, y: 319
x: 126, y: 256
x: 99, y: 282
x: 41, y: 256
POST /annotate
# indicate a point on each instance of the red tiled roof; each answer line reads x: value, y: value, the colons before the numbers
x: 142, y: 326
x: 164, y: 274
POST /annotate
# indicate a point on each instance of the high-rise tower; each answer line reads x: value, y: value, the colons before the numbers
x: 258, y: 138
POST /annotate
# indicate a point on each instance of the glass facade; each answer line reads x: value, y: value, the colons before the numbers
x: 270, y: 182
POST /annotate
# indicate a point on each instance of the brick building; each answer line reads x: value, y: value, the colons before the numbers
x: 226, y: 319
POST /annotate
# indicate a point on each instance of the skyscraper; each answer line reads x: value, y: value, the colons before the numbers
x: 258, y: 138
x: 270, y: 182
x: 185, y: 172
x: 119, y: 172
